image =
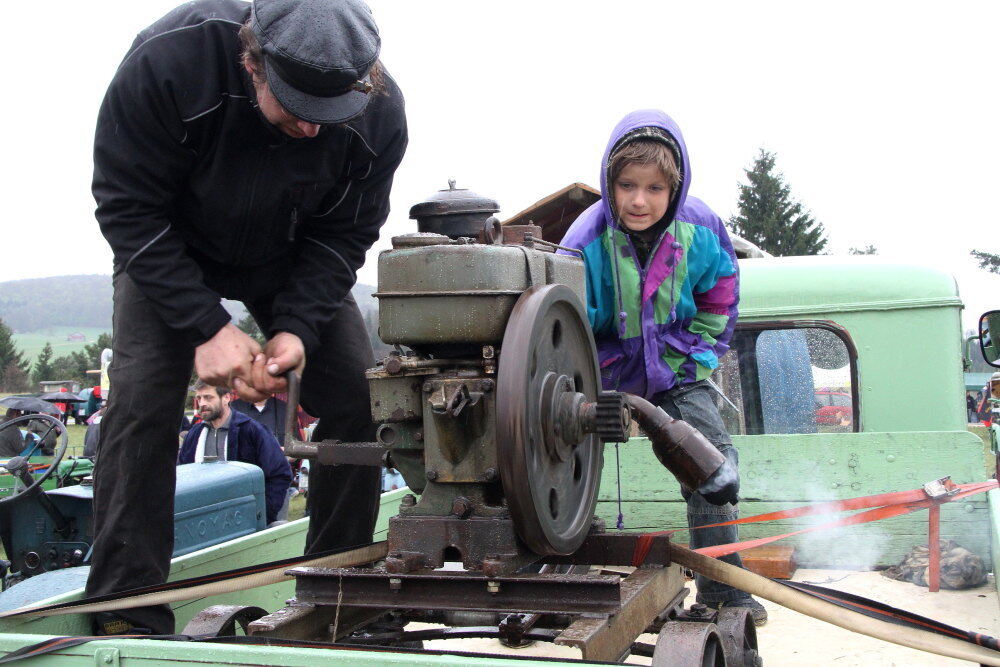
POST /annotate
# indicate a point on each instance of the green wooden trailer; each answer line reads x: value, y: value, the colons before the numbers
x: 886, y: 335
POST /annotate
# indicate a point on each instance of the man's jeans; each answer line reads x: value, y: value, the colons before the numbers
x: 695, y: 404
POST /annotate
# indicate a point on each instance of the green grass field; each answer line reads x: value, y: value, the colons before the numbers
x: 32, y: 343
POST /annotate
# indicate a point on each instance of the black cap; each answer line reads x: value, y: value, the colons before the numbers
x: 317, y: 55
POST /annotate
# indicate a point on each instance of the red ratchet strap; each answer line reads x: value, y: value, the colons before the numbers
x: 34, y: 467
x: 885, y: 505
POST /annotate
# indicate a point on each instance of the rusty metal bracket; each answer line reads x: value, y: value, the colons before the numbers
x: 645, y: 593
x: 460, y: 590
x: 615, y: 549
x: 327, y: 452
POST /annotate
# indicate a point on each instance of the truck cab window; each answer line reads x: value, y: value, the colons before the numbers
x: 794, y: 377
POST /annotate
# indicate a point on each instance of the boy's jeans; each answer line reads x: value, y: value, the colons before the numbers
x: 695, y: 404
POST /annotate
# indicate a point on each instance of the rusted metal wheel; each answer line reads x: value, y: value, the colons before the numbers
x: 550, y: 474
x: 739, y: 637
x: 221, y: 620
x: 689, y: 644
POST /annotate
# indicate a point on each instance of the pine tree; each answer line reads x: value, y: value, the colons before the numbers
x: 987, y: 260
x: 15, y: 378
x: 72, y: 366
x: 248, y: 325
x: 10, y: 357
x: 93, y: 350
x: 770, y: 218
x: 43, y: 365
x: 867, y: 250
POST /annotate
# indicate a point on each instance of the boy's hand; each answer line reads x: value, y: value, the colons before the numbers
x: 226, y: 359
x: 723, y: 486
x: 282, y: 353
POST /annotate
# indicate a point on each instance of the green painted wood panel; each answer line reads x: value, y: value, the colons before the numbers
x: 276, y: 543
x: 135, y: 652
x: 782, y: 471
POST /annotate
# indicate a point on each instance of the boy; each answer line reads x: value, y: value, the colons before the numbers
x: 662, y: 289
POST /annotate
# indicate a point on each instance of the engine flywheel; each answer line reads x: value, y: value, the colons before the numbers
x: 550, y: 468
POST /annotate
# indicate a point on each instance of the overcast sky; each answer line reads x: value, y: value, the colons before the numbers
x: 883, y: 116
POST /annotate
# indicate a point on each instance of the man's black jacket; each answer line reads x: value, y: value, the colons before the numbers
x: 199, y: 196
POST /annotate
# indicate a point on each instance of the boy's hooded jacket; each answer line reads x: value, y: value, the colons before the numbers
x: 666, y: 323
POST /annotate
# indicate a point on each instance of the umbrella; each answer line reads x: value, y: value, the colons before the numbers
x: 29, y: 404
x: 61, y: 397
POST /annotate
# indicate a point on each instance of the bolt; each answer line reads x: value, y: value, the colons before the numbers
x: 431, y: 475
x: 832, y: 461
x: 461, y: 507
x: 395, y: 583
x: 490, y: 474
x: 393, y: 365
x: 493, y: 587
x: 409, y: 500
x: 698, y: 609
x: 486, y: 385
x: 418, y: 436
x: 890, y: 458
x: 108, y: 659
x: 488, y: 352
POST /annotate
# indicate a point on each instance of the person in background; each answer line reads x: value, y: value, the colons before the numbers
x: 269, y: 412
x: 38, y: 431
x: 92, y: 435
x: 80, y: 413
x: 12, y: 440
x: 227, y: 435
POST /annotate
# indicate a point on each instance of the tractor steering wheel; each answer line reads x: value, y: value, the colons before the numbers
x: 19, y: 461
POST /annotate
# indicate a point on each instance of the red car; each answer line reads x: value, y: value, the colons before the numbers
x: 834, y: 407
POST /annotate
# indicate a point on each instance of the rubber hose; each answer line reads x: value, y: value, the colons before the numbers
x: 829, y: 612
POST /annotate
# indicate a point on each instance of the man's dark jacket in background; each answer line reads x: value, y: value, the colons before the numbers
x: 272, y: 417
x: 199, y: 196
x: 11, y: 442
x: 249, y: 442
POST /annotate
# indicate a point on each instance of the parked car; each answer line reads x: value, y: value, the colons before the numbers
x: 833, y: 407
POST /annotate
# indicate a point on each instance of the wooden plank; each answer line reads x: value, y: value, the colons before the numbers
x: 813, y: 467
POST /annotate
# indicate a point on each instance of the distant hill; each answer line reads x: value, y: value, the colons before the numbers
x: 84, y: 302
x: 60, y: 301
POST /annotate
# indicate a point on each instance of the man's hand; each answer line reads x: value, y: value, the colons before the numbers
x: 226, y: 359
x: 282, y: 353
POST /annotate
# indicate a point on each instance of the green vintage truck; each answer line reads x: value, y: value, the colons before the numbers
x: 886, y: 335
